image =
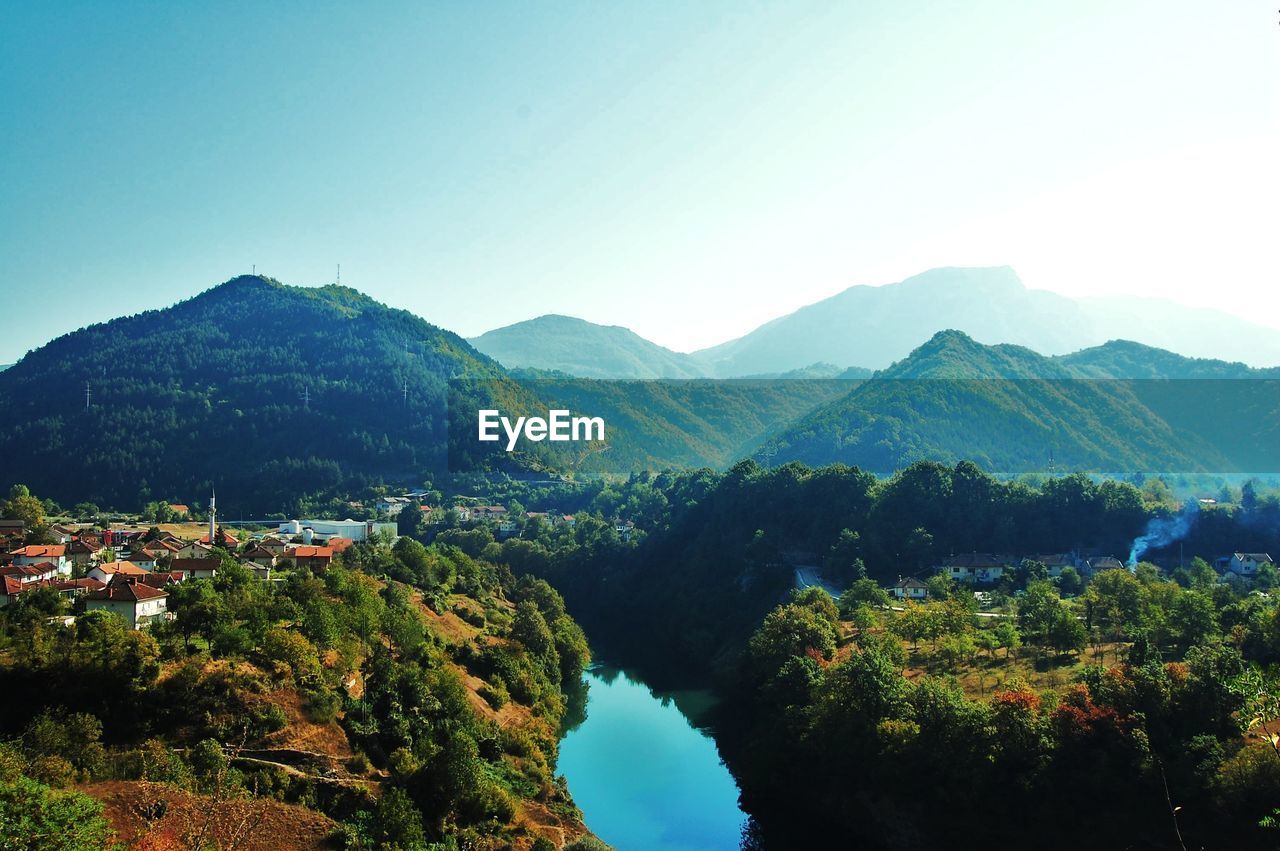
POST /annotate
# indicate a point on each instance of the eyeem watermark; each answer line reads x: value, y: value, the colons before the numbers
x: 557, y: 426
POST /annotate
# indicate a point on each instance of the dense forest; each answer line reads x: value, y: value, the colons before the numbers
x: 411, y: 696
x: 1139, y: 702
x: 272, y: 394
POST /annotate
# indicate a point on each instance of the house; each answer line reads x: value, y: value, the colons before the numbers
x: 1094, y: 566
x: 975, y: 567
x: 312, y: 558
x: 909, y: 588
x: 61, y: 533
x: 142, y: 559
x: 83, y: 551
x: 137, y: 603
x: 10, y: 589
x: 1247, y: 564
x: 194, y: 549
x: 261, y: 572
x: 196, y: 568
x: 179, y: 509
x: 29, y: 573
x: 109, y: 571
x: 72, y: 588
x: 392, y: 504
x: 260, y: 554
x: 1056, y: 562
x: 276, y: 546
x: 339, y: 544
x: 37, y: 554
x: 488, y: 512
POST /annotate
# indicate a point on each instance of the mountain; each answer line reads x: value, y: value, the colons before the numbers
x: 875, y: 326
x: 1127, y: 359
x: 1008, y: 408
x: 267, y: 392
x: 583, y: 349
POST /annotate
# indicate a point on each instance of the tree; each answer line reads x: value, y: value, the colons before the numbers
x: 1009, y: 637
x: 21, y: 505
x: 863, y: 592
x: 1066, y: 633
x: 787, y: 632
x: 1069, y: 582
x: 844, y: 560
x: 1037, y: 609
x: 35, y: 817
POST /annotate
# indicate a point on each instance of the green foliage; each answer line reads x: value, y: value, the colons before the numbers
x: 35, y: 817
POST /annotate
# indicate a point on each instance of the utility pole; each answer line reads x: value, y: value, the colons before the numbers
x: 406, y: 392
x: 339, y: 281
x: 306, y: 398
x: 86, y: 395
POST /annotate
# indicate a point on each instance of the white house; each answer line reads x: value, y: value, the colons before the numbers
x: 36, y: 554
x: 909, y: 588
x: 138, y: 604
x: 25, y: 574
x: 194, y: 550
x: 109, y: 571
x: 1247, y: 564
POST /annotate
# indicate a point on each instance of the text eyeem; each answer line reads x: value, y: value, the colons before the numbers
x: 557, y: 426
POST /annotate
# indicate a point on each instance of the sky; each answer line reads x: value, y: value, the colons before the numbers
x: 689, y: 170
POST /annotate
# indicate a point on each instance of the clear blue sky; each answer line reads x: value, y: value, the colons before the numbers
x: 686, y: 169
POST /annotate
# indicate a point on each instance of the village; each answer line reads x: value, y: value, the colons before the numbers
x: 127, y: 567
x: 1072, y: 570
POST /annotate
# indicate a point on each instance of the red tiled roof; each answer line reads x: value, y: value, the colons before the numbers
x: 37, y: 551
x: 339, y: 545
x: 11, y: 587
x: 126, y: 592
x: 311, y: 552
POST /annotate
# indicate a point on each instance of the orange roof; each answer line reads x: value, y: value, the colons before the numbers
x: 36, y: 551
x: 122, y: 567
x: 339, y: 545
x: 312, y: 552
x: 179, y: 507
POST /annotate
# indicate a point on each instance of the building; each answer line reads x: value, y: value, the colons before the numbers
x: 83, y: 551
x: 26, y: 574
x: 37, y: 554
x: 194, y: 550
x: 108, y: 572
x: 356, y: 530
x: 1247, y: 564
x: 196, y: 568
x: 312, y: 558
x: 137, y: 603
x: 909, y: 588
x: 975, y: 567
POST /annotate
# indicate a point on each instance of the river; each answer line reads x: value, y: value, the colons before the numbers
x: 645, y: 777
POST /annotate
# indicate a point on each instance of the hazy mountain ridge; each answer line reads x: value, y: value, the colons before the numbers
x: 583, y: 349
x: 872, y: 327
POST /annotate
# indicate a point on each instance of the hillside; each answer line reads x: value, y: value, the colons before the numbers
x: 583, y: 349
x: 265, y: 391
x: 1008, y: 408
x: 875, y: 326
x: 1127, y: 359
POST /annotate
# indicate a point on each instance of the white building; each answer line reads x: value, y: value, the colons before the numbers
x: 138, y: 604
x: 1247, y: 564
x: 356, y: 530
x: 35, y: 554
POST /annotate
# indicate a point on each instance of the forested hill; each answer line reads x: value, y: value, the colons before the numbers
x: 584, y: 349
x: 1126, y: 359
x: 1008, y: 408
x: 265, y: 391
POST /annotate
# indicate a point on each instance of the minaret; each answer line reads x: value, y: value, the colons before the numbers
x: 213, y: 518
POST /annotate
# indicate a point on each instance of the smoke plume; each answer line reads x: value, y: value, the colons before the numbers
x: 1163, y: 531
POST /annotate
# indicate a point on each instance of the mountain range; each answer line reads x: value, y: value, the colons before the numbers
x: 1118, y: 408
x: 283, y: 397
x: 873, y: 326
